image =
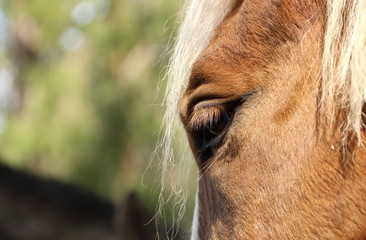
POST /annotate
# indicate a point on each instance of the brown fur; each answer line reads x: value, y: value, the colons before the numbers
x: 274, y: 176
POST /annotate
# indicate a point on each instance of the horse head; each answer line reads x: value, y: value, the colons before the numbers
x: 271, y: 130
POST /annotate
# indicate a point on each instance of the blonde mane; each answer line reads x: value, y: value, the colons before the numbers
x: 199, y: 20
x: 344, y: 65
x: 343, y: 74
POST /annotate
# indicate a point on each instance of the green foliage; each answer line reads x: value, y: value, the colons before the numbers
x: 88, y: 114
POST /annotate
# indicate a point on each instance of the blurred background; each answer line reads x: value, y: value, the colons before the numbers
x: 80, y: 117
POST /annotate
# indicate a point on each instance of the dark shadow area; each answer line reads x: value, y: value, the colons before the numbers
x: 34, y: 208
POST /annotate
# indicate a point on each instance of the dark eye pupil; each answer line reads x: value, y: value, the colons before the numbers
x: 219, y: 126
x: 210, y: 138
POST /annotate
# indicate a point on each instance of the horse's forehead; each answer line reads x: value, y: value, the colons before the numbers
x: 252, y: 37
x: 266, y: 22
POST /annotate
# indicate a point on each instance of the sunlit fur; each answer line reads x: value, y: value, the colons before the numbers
x: 343, y: 75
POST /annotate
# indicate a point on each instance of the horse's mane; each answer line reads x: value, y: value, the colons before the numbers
x: 198, y: 22
x: 344, y: 66
x: 343, y: 74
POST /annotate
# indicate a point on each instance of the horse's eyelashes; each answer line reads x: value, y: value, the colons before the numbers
x: 213, y: 115
x: 204, y: 118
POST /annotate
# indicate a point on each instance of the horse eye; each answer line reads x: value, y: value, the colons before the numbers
x: 209, y: 122
x: 208, y: 126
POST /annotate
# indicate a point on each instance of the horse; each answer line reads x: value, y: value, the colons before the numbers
x: 270, y: 94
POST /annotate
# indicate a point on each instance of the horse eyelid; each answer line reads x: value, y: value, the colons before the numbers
x: 208, y: 113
